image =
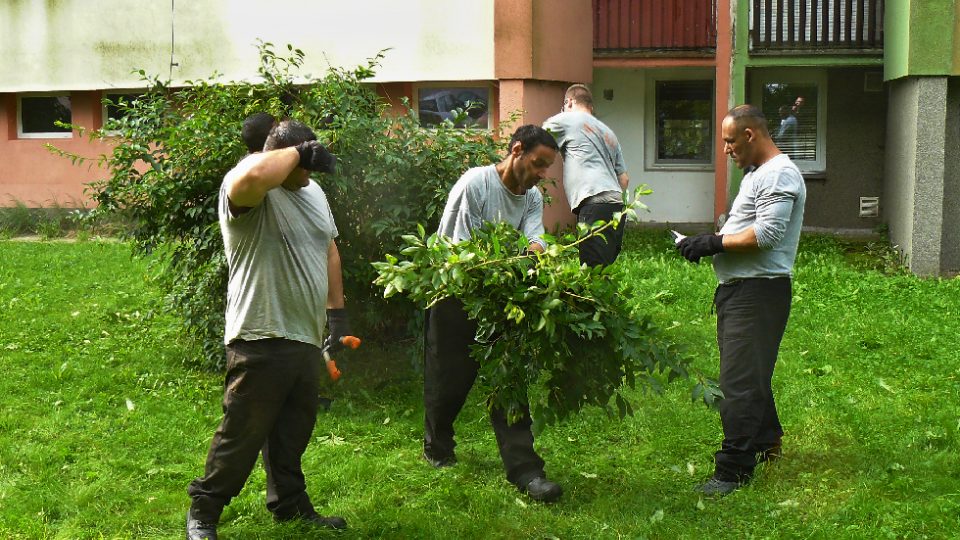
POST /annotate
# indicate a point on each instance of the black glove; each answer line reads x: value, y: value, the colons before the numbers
x: 701, y: 245
x: 314, y: 157
x: 339, y: 325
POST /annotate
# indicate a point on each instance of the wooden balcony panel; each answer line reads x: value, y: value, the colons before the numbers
x: 654, y: 25
x: 841, y: 26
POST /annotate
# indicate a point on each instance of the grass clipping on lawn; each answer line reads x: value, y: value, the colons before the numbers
x: 550, y: 332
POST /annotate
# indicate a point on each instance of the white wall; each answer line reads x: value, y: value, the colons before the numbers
x: 679, y: 196
x: 83, y: 44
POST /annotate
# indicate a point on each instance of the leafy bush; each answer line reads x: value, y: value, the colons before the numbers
x: 172, y: 147
x: 571, y: 336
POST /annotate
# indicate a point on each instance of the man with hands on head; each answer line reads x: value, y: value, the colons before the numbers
x: 504, y: 192
x: 753, y: 257
x: 284, y: 281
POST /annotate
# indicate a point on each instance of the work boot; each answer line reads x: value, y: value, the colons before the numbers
x: 773, y: 453
x: 199, y: 530
x: 316, y: 520
x: 440, y: 462
x: 717, y: 487
x: 542, y: 490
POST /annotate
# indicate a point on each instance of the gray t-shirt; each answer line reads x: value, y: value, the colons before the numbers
x: 479, y: 196
x: 277, y: 258
x: 770, y: 200
x: 592, y: 157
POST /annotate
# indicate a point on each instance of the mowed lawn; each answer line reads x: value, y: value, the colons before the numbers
x: 105, y: 417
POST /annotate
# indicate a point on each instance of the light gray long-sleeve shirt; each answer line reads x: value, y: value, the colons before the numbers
x: 479, y: 196
x: 771, y: 200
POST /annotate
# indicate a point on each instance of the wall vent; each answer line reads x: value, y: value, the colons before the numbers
x: 869, y: 207
x: 873, y: 81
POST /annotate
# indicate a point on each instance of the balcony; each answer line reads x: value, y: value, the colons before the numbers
x: 638, y: 26
x: 816, y: 26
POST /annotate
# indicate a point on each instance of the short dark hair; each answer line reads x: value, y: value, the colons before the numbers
x: 288, y: 133
x: 255, y: 129
x: 530, y: 136
x: 748, y: 116
x: 581, y: 94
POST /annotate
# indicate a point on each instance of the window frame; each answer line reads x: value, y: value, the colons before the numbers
x: 44, y: 134
x: 650, y: 122
x: 488, y: 87
x: 816, y: 77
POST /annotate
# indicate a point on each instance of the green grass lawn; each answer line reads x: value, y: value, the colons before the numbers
x: 104, y: 418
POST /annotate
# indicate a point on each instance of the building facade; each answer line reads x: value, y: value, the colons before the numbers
x: 863, y: 94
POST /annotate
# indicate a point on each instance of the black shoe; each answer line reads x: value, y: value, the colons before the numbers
x: 773, y: 453
x: 716, y: 487
x: 199, y: 530
x: 440, y: 462
x: 542, y: 490
x: 315, y: 519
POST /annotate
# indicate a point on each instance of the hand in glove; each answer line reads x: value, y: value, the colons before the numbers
x: 314, y: 157
x: 701, y: 245
x: 339, y: 325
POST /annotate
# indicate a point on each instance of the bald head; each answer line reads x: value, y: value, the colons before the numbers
x: 749, y: 116
x: 745, y: 137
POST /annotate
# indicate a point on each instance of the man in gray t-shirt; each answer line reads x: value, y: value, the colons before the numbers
x: 284, y: 281
x: 505, y: 192
x: 753, y: 258
x: 594, y: 174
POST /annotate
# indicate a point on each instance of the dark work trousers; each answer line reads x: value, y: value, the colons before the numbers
x: 270, y: 401
x: 596, y: 251
x: 751, y: 318
x: 448, y: 375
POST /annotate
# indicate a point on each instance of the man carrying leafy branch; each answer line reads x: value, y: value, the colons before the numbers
x: 504, y: 192
x: 284, y: 281
x: 753, y: 258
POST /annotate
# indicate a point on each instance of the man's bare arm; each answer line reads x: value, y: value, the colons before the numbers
x: 248, y: 183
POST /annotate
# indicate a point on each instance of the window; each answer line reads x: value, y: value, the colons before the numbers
x: 794, y: 104
x: 116, y: 106
x: 466, y: 106
x: 38, y: 116
x: 680, y: 123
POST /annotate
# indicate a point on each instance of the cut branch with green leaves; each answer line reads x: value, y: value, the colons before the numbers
x: 551, y: 333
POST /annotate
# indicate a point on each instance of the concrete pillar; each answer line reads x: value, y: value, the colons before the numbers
x: 950, y: 246
x: 916, y: 169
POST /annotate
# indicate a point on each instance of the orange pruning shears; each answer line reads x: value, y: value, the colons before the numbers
x: 351, y: 342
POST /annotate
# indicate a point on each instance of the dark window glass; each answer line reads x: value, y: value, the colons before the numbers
x: 684, y: 121
x: 791, y: 111
x: 39, y: 114
x: 118, y: 105
x: 438, y: 104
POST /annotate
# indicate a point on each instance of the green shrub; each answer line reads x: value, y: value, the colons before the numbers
x: 549, y: 331
x: 172, y: 147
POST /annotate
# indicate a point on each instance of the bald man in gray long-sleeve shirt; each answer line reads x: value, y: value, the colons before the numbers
x: 753, y: 258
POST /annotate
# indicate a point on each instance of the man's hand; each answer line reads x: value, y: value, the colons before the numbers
x: 314, y: 157
x: 339, y: 325
x: 701, y: 245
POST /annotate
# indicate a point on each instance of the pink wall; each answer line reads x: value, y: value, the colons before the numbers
x: 31, y: 174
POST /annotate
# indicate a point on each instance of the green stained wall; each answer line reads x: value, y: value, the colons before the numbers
x: 921, y: 37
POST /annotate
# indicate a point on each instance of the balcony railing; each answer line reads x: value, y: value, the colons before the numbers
x: 638, y: 25
x: 843, y: 25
